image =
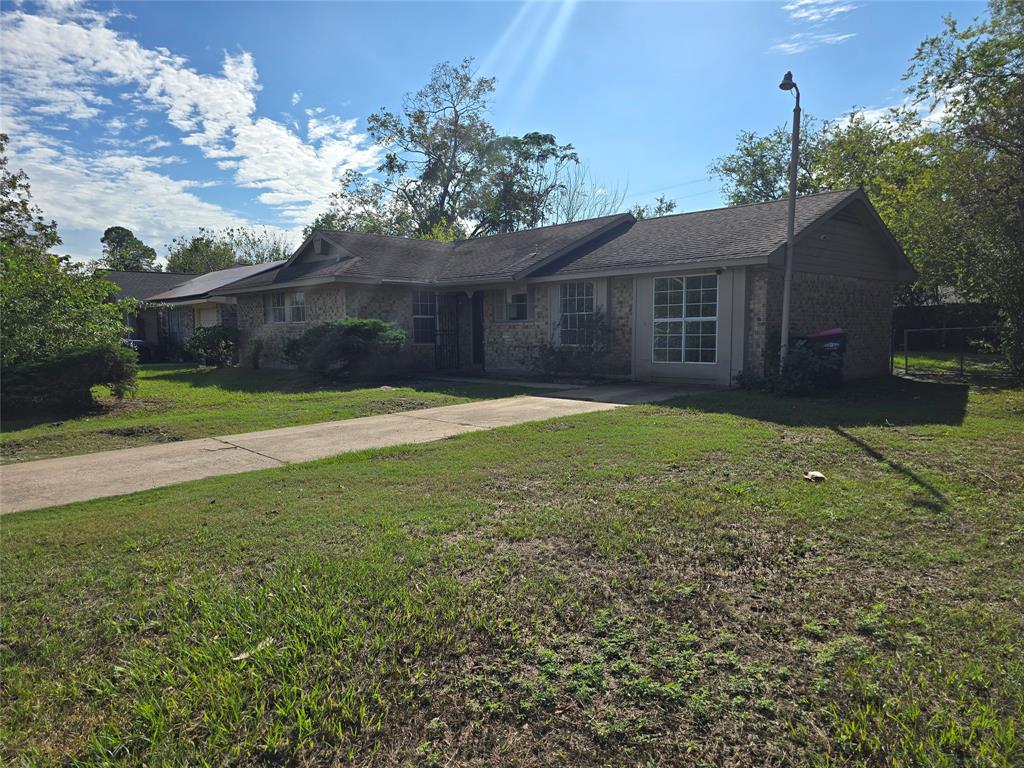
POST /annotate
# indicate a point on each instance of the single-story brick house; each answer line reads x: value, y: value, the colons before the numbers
x: 173, y: 304
x: 689, y: 297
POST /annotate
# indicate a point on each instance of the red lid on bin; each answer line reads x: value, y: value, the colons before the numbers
x: 829, y: 334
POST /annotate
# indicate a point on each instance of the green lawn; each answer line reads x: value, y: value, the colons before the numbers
x: 949, y: 362
x: 176, y: 402
x: 654, y: 585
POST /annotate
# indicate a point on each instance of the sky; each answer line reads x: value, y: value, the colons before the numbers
x: 167, y: 116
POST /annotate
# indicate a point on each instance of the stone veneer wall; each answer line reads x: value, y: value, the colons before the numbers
x: 331, y: 302
x: 863, y: 308
x: 620, y: 317
x: 515, y: 345
x: 323, y: 304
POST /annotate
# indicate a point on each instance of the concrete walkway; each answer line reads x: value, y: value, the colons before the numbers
x: 49, y: 482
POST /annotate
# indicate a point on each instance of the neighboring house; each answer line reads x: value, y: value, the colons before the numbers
x: 690, y: 297
x: 196, y: 303
x: 173, y: 304
x: 145, y: 323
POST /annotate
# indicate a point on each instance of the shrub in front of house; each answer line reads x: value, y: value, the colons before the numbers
x: 213, y: 345
x: 587, y: 355
x: 65, y: 379
x: 346, y: 348
x: 807, y: 371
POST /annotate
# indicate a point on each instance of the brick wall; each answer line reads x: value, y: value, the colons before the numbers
x: 323, y: 304
x: 862, y: 307
x: 514, y: 346
x: 332, y: 302
x: 620, y: 317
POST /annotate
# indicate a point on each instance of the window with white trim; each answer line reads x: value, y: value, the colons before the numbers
x: 297, y: 307
x: 285, y: 307
x: 517, y: 306
x: 576, y: 314
x: 686, y: 319
x: 424, y: 317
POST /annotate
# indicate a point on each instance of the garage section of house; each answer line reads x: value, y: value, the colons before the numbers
x: 692, y: 297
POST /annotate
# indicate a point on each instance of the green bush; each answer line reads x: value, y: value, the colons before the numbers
x: 588, y: 357
x: 214, y: 345
x: 806, y: 371
x: 255, y: 355
x: 65, y: 379
x: 345, y: 348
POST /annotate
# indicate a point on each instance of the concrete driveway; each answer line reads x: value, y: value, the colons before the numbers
x: 49, y: 482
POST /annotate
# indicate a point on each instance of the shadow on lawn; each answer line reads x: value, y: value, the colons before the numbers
x: 891, y: 401
x: 289, y: 381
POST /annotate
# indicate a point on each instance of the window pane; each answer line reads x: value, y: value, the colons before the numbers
x: 576, y: 313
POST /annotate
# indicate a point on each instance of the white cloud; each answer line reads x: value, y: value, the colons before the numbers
x: 817, y: 11
x: 296, y: 97
x: 70, y: 63
x: 816, y: 15
x: 805, y: 41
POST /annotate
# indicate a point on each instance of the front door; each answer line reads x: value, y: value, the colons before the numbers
x: 446, y: 345
x: 478, y: 328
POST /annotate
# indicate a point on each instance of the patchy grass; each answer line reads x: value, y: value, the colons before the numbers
x: 650, y: 585
x: 976, y: 363
x: 184, y: 402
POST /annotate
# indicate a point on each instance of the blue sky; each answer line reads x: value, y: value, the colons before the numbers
x: 165, y: 116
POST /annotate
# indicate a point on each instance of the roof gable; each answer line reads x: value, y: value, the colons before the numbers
x: 749, y: 233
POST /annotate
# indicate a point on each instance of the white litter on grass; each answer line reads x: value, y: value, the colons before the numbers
x: 265, y: 643
x: 813, y: 476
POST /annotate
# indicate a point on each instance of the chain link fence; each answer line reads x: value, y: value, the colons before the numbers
x: 959, y: 351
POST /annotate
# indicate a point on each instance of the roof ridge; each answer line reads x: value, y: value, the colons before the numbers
x: 751, y: 205
x: 453, y: 243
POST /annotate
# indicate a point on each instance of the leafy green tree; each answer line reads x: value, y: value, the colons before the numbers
x: 976, y: 76
x: 23, y: 228
x: 123, y: 251
x: 521, y: 179
x: 438, y: 143
x: 662, y: 207
x: 205, y: 251
x: 47, y: 303
x: 256, y: 245
x: 365, y: 205
x: 758, y: 169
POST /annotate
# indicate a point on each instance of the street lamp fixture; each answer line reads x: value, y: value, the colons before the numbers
x: 788, y: 84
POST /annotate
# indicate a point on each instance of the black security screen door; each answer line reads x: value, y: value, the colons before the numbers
x: 446, y: 346
x: 478, y: 328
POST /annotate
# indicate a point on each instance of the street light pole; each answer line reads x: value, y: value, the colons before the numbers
x: 787, y: 84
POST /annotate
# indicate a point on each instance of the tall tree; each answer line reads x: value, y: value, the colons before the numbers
x: 579, y: 196
x: 523, y: 175
x: 362, y: 204
x: 205, y: 251
x: 662, y: 207
x: 256, y: 245
x: 47, y: 303
x: 123, y: 251
x: 23, y: 228
x: 976, y: 75
x: 437, y: 144
x: 758, y: 169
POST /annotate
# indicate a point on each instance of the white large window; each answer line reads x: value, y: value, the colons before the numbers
x: 285, y: 307
x: 686, y: 319
x: 576, y: 314
x: 424, y: 317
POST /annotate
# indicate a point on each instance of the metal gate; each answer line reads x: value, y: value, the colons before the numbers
x: 446, y: 343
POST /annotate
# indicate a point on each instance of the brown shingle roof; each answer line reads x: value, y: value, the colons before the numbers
x: 142, y: 285
x: 721, y: 234
x: 604, y: 244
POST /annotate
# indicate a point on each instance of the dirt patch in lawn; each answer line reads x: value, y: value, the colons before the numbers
x: 111, y: 439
